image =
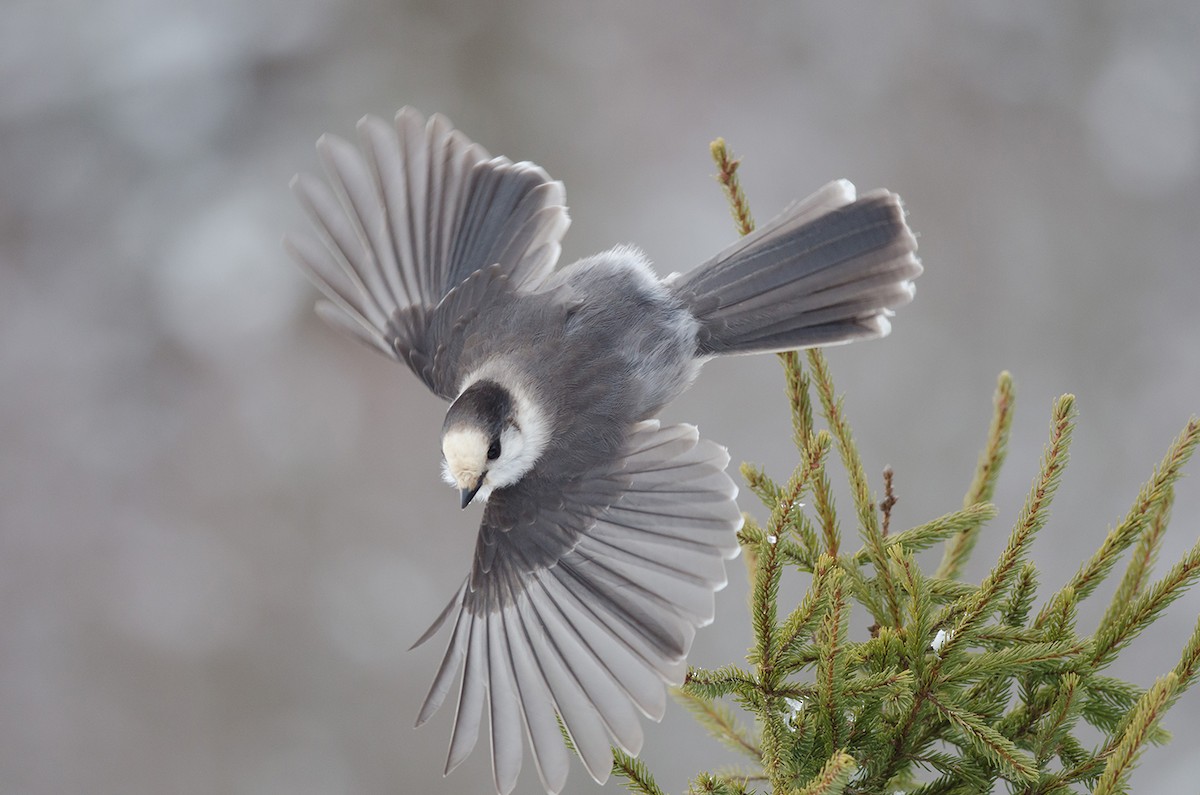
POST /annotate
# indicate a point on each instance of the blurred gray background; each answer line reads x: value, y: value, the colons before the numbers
x: 221, y: 525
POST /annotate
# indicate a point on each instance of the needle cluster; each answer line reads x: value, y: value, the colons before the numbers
x: 957, y: 687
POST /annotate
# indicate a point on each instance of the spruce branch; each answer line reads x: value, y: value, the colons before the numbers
x: 1059, y: 719
x: 958, y: 549
x: 1117, y: 633
x: 973, y: 608
x: 919, y: 629
x: 709, y: 784
x: 1145, y: 553
x: 1146, y: 715
x: 723, y: 681
x: 998, y: 749
x: 727, y: 166
x: 637, y: 777
x: 926, y: 535
x: 1153, y: 493
x: 832, y: 663
x: 761, y: 484
x: 1018, y: 659
x: 1020, y: 599
x: 1189, y: 661
x: 1031, y: 519
x: 798, y: 398
x: 955, y: 678
x: 868, y: 520
x: 769, y: 569
x: 754, y: 538
x: 823, y: 503
x: 802, y: 621
x: 833, y: 776
x: 720, y: 722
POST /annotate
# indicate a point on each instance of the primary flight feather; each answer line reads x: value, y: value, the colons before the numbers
x: 605, y: 533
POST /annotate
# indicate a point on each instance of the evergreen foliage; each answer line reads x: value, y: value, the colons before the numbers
x: 959, y: 687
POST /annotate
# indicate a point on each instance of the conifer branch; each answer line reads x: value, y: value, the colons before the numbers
x: 774, y: 746
x: 1061, y: 615
x: 972, y: 609
x: 753, y: 538
x: 1059, y: 719
x: 1146, y: 715
x: 1129, y: 623
x: 996, y: 747
x: 831, y: 666
x: 727, y: 166
x: 833, y: 777
x: 721, y: 723
x: 1152, y: 493
x: 1020, y: 599
x: 720, y: 682
x: 883, y: 681
x: 926, y: 535
x: 804, y: 619
x: 637, y: 777
x: 919, y: 629
x: 799, y: 399
x: 1137, y: 573
x: 868, y: 520
x: 823, y: 503
x: 708, y: 784
x: 958, y: 549
x: 1031, y: 519
x: 955, y: 678
x: 1017, y: 659
x: 761, y: 484
x: 1189, y: 661
x: 766, y: 575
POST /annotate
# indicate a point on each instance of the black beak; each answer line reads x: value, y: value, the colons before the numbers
x: 469, y: 494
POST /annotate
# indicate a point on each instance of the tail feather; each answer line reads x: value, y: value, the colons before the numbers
x: 830, y: 269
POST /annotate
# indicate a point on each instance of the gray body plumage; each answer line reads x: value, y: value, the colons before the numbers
x: 605, y: 533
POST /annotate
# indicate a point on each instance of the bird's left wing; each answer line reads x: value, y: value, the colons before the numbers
x: 583, y: 600
x: 420, y: 232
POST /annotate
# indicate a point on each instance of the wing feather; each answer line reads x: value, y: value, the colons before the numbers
x: 381, y: 142
x: 504, y: 710
x: 549, y: 753
x: 343, y: 246
x: 587, y: 594
x: 408, y: 217
x: 471, y: 694
x: 575, y: 701
x: 629, y: 670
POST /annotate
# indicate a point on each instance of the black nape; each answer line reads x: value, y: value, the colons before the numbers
x: 484, y: 405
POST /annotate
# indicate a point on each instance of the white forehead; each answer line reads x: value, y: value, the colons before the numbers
x: 465, y: 449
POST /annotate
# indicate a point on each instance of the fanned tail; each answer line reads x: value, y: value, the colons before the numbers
x: 829, y: 270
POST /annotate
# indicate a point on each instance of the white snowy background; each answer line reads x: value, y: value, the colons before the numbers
x: 221, y: 525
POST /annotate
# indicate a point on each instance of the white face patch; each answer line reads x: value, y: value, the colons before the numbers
x: 522, y: 441
x: 465, y: 451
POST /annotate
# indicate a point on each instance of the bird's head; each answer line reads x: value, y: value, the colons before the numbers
x: 490, y: 439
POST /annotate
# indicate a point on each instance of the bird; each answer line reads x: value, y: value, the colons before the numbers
x: 604, y: 532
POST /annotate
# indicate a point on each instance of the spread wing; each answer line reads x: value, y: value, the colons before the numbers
x: 418, y: 233
x: 583, y: 600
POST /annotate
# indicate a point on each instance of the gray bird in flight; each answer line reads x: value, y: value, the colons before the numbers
x: 605, y: 533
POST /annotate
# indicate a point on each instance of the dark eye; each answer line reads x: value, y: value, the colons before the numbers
x: 494, y: 451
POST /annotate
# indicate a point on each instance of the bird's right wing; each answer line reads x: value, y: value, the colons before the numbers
x: 583, y: 600
x: 419, y: 233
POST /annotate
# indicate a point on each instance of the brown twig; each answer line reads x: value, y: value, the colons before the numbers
x: 889, y: 498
